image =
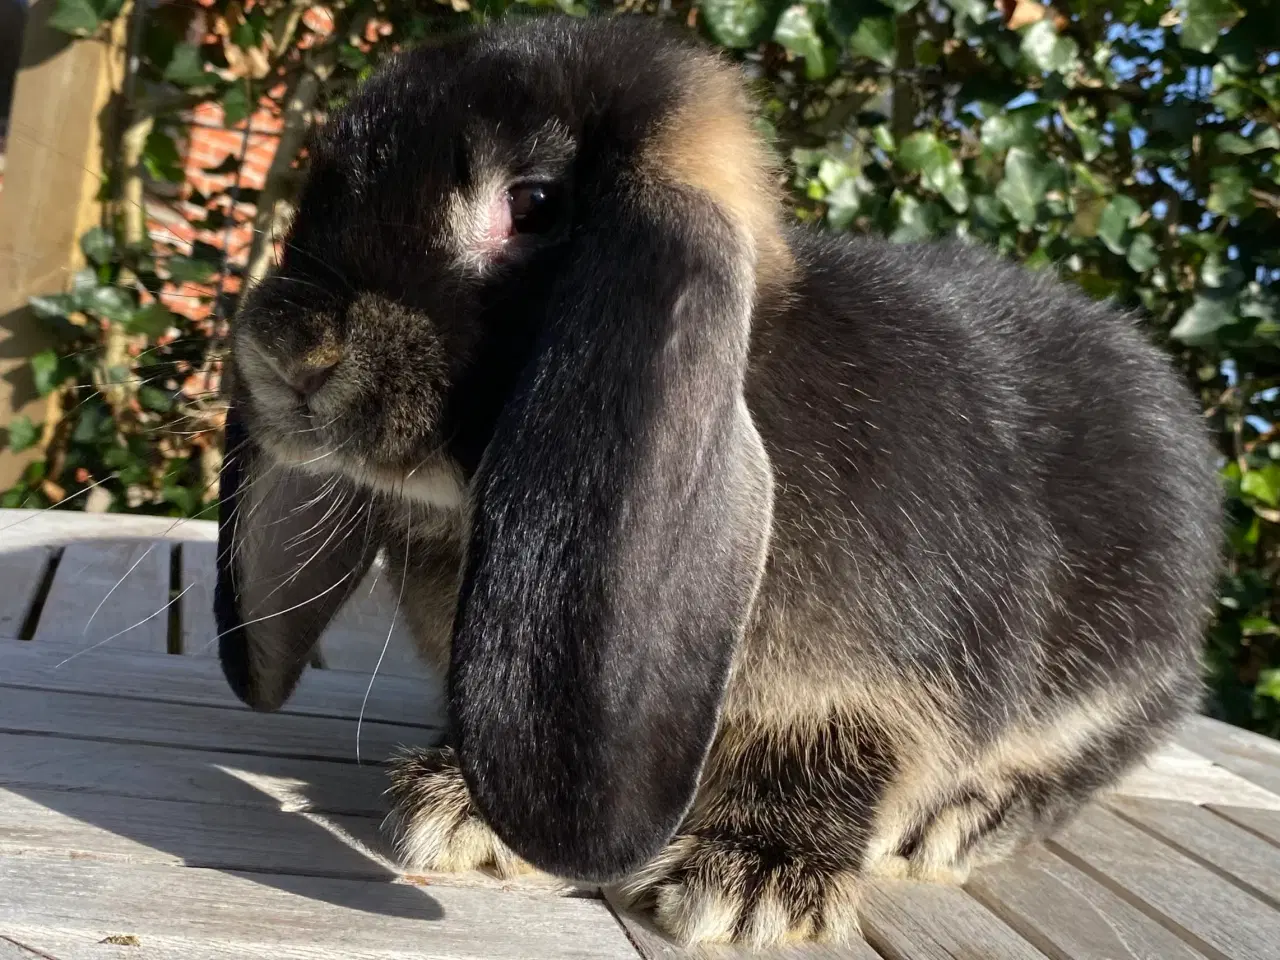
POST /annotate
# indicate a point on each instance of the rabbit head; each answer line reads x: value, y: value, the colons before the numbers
x: 519, y: 284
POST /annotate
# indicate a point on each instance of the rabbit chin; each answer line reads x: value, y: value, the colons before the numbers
x: 436, y: 481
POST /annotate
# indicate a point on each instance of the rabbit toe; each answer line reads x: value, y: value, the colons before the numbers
x: 729, y: 890
x: 433, y: 823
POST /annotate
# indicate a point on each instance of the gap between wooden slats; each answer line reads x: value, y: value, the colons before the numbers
x: 129, y: 770
x: 1213, y: 915
x: 1210, y: 840
x: 113, y: 593
x: 89, y: 717
x: 25, y: 573
x: 1250, y: 755
x: 200, y: 681
x: 1069, y: 915
x: 359, y: 633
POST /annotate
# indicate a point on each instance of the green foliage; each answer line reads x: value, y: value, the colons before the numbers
x: 1132, y: 146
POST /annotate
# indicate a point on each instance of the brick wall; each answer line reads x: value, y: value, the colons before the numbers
x: 178, y: 224
x: 207, y: 145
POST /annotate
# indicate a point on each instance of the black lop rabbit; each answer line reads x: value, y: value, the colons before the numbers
x: 760, y: 562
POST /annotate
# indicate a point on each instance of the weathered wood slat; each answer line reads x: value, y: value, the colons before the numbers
x: 21, y: 573
x: 72, y: 945
x: 1211, y: 913
x: 92, y: 826
x: 126, y: 770
x: 358, y: 634
x: 116, y: 590
x: 1265, y: 823
x: 140, y: 799
x: 1070, y: 915
x: 1253, y: 757
x: 916, y: 921
x: 352, y: 641
x: 1175, y: 773
x: 654, y: 945
x: 199, y: 574
x: 205, y: 728
x: 1209, y: 839
x: 270, y: 912
x: 13, y: 950
x: 199, y: 680
x: 24, y: 528
x: 88, y: 826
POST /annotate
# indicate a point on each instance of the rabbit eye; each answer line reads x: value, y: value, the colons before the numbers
x: 534, y: 207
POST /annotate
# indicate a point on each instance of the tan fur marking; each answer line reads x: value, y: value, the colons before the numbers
x: 325, y: 355
x: 432, y: 823
x: 709, y: 144
x: 840, y: 922
x: 934, y: 774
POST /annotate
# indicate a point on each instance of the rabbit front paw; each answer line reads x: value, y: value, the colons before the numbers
x: 433, y: 823
x: 727, y: 888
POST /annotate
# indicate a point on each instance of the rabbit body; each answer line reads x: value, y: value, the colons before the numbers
x: 765, y: 564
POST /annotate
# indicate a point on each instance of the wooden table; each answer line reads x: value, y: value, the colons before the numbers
x: 145, y: 814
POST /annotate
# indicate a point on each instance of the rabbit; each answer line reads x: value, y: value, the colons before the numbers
x: 760, y: 563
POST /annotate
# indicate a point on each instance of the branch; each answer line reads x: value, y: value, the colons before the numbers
x: 904, y: 93
x: 299, y: 107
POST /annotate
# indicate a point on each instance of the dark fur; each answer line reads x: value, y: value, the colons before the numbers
x: 822, y: 544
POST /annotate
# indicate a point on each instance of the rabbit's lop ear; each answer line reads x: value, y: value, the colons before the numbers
x: 290, y: 552
x: 619, y: 523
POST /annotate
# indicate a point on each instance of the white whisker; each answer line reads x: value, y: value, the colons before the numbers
x: 387, y: 643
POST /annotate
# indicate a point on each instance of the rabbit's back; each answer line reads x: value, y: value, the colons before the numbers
x: 991, y: 492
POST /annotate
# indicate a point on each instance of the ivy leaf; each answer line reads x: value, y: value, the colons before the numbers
x: 44, y: 369
x: 97, y: 245
x: 57, y: 306
x: 244, y: 36
x: 155, y: 399
x: 916, y: 221
x: 1267, y: 138
x: 1025, y: 182
x: 740, y: 23
x: 1017, y: 128
x: 189, y: 270
x: 1142, y: 255
x: 900, y: 6
x: 112, y: 303
x: 1203, y: 22
x: 79, y: 18
x: 1229, y: 192
x: 1052, y: 53
x: 874, y: 39
x: 925, y: 154
x: 186, y: 67
x: 798, y: 34
x: 1113, y: 226
x: 919, y: 152
x: 975, y: 10
x: 22, y: 434
x: 1088, y: 215
x: 353, y: 58
x: 161, y: 157
x: 1206, y: 316
x: 1263, y: 484
x: 1268, y: 684
x: 152, y: 320
x: 843, y: 16
x: 235, y: 104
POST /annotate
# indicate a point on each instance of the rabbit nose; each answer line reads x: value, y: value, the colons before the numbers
x: 307, y: 377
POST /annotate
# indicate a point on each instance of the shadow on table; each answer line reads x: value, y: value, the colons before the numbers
x: 308, y: 827
x: 340, y: 858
